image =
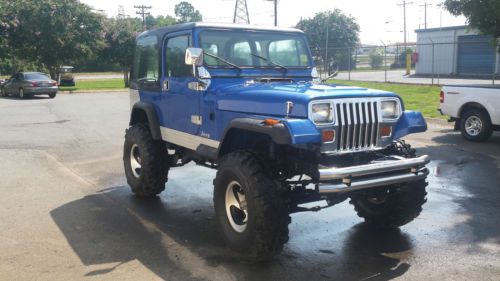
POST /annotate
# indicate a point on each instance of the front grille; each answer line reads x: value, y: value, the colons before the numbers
x: 357, y: 125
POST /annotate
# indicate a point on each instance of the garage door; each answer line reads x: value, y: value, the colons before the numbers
x: 475, y: 55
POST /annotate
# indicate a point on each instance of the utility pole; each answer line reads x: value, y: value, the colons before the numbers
x: 404, y: 20
x: 275, y: 12
x: 425, y: 13
x: 142, y: 11
x: 241, y: 12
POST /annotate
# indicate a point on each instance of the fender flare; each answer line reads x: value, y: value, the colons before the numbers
x: 152, y: 118
x: 279, y: 133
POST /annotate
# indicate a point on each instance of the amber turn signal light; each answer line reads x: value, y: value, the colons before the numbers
x: 385, y: 131
x: 328, y: 135
x: 271, y: 122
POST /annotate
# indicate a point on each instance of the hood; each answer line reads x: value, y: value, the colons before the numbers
x: 271, y: 98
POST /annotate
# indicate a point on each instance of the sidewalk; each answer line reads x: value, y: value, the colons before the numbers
x: 398, y: 76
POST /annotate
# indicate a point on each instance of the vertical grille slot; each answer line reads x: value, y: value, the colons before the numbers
x: 358, y: 125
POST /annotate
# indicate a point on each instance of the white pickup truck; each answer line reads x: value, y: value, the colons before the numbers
x: 474, y: 108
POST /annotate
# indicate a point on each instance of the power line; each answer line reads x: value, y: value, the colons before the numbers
x: 425, y: 12
x: 241, y: 12
x: 142, y: 11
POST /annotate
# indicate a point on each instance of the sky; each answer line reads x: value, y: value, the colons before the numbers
x: 379, y: 20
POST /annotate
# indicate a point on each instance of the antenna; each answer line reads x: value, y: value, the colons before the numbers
x: 241, y: 12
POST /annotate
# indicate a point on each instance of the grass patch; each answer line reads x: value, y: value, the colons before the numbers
x: 97, y: 84
x: 421, y: 98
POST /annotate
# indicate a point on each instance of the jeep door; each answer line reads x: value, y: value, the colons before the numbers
x: 180, y: 105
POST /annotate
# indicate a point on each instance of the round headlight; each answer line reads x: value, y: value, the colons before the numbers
x: 322, y: 113
x: 390, y: 109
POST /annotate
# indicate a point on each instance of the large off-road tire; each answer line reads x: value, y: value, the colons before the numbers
x: 391, y: 207
x: 475, y: 125
x: 250, y: 207
x: 146, y: 161
x: 394, y: 205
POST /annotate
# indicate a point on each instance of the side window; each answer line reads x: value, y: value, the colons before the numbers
x: 176, y: 48
x: 146, y: 58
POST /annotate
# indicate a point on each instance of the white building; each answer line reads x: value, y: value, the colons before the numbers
x: 455, y: 50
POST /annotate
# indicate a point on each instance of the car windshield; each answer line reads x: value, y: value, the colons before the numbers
x: 255, y: 49
x: 36, y: 76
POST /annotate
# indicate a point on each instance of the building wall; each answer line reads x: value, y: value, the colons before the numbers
x: 445, y: 51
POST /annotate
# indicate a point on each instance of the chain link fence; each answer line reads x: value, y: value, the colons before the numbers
x: 433, y: 63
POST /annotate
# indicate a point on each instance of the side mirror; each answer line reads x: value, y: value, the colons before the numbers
x: 194, y: 56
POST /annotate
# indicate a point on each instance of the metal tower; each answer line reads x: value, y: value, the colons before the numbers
x: 241, y: 12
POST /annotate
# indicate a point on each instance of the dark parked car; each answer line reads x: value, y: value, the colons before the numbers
x: 26, y: 84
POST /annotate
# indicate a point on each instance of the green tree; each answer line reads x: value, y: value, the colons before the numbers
x: 185, y: 12
x: 159, y: 21
x: 375, y: 59
x: 120, y: 34
x: 483, y: 15
x: 342, y: 36
x: 52, y: 32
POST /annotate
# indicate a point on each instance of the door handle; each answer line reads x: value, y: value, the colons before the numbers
x: 165, y: 86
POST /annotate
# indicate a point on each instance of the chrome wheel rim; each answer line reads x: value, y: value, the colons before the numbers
x: 135, y: 160
x: 236, y: 207
x: 473, y: 125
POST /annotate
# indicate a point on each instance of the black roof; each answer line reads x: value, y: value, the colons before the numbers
x: 188, y: 26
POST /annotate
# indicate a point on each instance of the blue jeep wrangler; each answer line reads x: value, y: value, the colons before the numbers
x: 246, y: 101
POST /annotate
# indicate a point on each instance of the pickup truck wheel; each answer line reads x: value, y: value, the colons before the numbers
x: 391, y: 207
x: 146, y: 162
x: 250, y: 207
x: 475, y: 125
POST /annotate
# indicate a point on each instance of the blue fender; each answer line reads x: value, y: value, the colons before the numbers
x: 302, y: 131
x: 410, y: 122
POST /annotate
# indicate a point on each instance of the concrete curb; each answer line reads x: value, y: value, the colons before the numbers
x: 93, y: 91
x: 439, y: 122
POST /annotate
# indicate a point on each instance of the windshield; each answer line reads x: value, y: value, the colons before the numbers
x: 243, y: 48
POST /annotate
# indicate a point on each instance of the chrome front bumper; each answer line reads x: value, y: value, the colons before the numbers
x: 379, y: 173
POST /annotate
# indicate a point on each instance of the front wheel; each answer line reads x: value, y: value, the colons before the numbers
x: 250, y: 207
x: 22, y: 95
x: 475, y: 125
x: 391, y: 207
x: 146, y: 162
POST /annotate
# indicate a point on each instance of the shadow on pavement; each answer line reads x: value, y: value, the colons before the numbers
x: 109, y: 227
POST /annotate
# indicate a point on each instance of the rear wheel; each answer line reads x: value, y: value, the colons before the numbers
x: 4, y: 93
x: 146, y: 162
x: 475, y: 125
x: 52, y: 95
x: 250, y: 207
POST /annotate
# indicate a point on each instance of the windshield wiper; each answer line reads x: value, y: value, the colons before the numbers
x: 270, y: 61
x: 223, y: 60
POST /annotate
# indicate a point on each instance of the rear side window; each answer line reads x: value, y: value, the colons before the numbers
x: 146, y: 59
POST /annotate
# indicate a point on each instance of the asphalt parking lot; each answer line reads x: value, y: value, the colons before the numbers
x: 67, y: 213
